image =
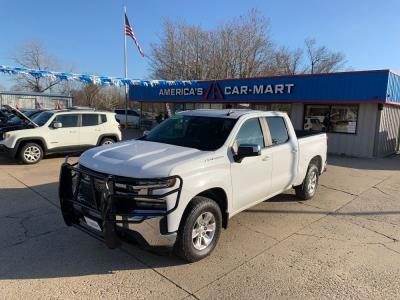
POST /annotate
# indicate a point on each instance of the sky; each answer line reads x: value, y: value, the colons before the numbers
x: 87, y: 36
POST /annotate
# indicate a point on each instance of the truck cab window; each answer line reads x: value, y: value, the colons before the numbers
x: 278, y: 130
x: 250, y: 133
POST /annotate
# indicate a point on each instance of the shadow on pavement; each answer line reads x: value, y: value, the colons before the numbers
x: 36, y: 243
x: 391, y: 163
x: 6, y: 161
x: 322, y: 212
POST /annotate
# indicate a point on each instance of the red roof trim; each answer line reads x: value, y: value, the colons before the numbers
x: 218, y: 101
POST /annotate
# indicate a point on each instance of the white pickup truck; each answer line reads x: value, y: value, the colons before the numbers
x: 181, y: 182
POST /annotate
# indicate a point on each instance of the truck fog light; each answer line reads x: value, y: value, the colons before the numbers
x: 171, y: 182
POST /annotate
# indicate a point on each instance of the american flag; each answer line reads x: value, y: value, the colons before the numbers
x: 129, y: 32
x: 57, y: 105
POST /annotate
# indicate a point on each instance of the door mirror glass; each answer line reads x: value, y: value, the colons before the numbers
x: 247, y: 150
x: 57, y: 125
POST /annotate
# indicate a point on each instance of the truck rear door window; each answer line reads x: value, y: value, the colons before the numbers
x: 278, y: 130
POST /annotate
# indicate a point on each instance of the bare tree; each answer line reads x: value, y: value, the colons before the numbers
x: 285, y: 62
x: 235, y: 49
x: 321, y: 60
x: 95, y: 96
x: 32, y: 55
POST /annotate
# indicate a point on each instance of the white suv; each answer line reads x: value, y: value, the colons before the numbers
x: 59, y: 131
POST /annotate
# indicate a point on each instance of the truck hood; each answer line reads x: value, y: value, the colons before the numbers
x: 135, y: 158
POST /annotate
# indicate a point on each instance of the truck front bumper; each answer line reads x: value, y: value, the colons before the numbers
x: 95, y: 203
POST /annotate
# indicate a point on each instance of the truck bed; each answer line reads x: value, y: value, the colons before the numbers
x: 306, y: 133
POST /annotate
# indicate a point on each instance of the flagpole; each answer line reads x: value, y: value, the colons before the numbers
x: 126, y: 72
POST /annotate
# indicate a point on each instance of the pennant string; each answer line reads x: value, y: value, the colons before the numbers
x: 90, y: 79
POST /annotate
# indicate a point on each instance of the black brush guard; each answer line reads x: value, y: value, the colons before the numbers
x: 106, y: 203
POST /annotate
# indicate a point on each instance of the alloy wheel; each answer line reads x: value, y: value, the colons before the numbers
x: 32, y: 154
x: 312, y: 184
x: 203, y: 231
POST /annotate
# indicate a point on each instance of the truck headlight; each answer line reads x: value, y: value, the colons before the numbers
x: 148, y: 185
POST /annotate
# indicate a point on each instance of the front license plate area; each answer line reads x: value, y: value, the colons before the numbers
x: 85, y: 193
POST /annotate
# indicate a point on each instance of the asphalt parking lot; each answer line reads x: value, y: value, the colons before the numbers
x: 344, y: 243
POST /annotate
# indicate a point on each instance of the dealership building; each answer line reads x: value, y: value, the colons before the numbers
x: 360, y: 111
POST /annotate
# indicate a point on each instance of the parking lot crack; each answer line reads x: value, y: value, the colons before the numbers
x: 259, y: 232
x: 380, y: 221
x: 159, y: 273
x: 279, y: 242
x: 380, y: 190
x: 375, y: 231
x: 320, y: 237
x: 388, y: 248
x: 306, y: 204
x: 338, y: 190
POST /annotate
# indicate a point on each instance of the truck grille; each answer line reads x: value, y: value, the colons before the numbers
x: 131, y: 195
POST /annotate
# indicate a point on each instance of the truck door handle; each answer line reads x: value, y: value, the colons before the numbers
x: 266, y: 158
x: 294, y: 151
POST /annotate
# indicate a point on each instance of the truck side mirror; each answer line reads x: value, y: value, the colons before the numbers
x: 247, y: 150
x: 57, y: 125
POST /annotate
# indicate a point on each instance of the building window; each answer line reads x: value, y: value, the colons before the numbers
x: 202, y: 106
x: 216, y: 106
x: 331, y: 118
x: 178, y: 107
x: 242, y: 106
x: 189, y: 106
x: 343, y: 118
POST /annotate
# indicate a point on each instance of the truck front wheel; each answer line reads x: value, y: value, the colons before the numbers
x: 309, y: 186
x: 200, y: 230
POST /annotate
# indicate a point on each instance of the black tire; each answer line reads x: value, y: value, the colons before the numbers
x: 30, y: 153
x: 309, y: 186
x: 107, y: 141
x: 185, y: 244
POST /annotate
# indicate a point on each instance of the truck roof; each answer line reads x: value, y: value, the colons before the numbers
x: 227, y: 113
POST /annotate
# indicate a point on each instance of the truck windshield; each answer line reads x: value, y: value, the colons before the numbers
x: 203, y: 133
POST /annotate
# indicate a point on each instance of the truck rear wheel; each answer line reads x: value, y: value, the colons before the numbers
x: 200, y: 230
x: 309, y: 186
x: 31, y: 153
